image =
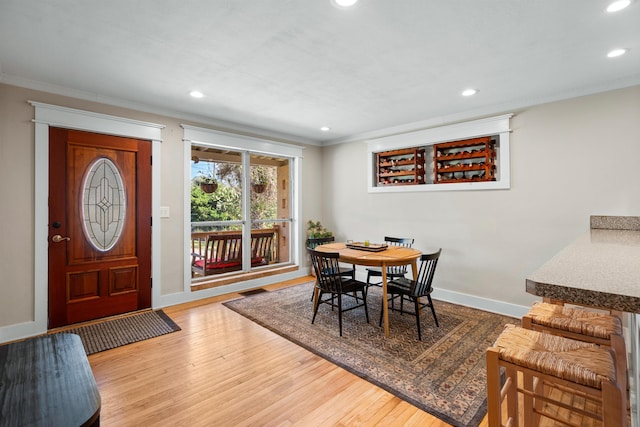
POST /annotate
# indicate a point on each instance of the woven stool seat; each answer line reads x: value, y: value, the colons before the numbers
x: 599, y: 328
x: 599, y: 325
x: 576, y: 361
x: 535, y: 364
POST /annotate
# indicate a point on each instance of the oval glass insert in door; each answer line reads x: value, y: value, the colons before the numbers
x: 104, y: 204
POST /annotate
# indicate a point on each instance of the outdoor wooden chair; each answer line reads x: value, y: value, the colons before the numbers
x: 221, y: 253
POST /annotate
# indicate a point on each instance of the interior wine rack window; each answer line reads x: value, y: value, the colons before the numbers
x: 401, y: 167
x: 469, y: 160
x: 466, y: 156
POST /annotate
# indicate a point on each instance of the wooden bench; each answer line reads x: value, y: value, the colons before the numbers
x: 47, y: 381
x: 221, y: 252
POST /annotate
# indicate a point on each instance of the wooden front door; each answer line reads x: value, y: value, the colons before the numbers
x: 99, y: 226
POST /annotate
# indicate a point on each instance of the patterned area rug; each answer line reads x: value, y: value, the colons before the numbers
x: 120, y: 331
x: 444, y: 374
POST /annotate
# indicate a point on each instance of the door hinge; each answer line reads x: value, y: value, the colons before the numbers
x: 151, y: 283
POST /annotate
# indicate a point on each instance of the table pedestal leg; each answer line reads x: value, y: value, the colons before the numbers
x: 316, y: 293
x: 385, y: 303
x: 414, y: 272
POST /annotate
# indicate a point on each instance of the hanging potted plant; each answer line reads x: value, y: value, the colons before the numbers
x: 208, y: 182
x: 260, y: 180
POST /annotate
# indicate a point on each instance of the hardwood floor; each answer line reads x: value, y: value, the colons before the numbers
x: 224, y: 370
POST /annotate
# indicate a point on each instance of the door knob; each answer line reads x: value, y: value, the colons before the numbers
x: 58, y: 238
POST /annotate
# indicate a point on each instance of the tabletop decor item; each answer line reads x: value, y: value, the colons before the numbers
x: 367, y: 246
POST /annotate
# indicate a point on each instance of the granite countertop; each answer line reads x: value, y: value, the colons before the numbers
x: 600, y: 269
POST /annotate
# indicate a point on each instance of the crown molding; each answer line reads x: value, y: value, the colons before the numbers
x: 222, y: 125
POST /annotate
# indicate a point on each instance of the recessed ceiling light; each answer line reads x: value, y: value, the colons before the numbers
x: 196, y: 94
x: 616, y: 52
x: 469, y: 92
x: 618, y: 5
x: 344, y: 3
x: 325, y: 128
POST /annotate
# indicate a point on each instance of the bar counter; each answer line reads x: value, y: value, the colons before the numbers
x: 600, y: 269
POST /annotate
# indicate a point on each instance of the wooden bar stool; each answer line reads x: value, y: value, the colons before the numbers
x: 582, y: 325
x: 546, y: 363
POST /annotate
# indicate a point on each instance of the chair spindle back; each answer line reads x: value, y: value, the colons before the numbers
x: 398, y: 241
x: 325, y: 264
x: 313, y: 242
x: 426, y: 271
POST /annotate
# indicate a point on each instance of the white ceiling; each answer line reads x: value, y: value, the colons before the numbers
x: 289, y: 67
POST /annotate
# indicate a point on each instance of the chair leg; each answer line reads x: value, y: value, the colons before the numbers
x: 433, y: 310
x: 314, y: 290
x: 416, y: 304
x: 613, y: 413
x: 364, y: 301
x: 494, y: 412
x: 620, y: 352
x: 316, y: 304
x: 340, y: 312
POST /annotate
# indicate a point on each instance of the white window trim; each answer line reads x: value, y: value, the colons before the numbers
x: 219, y: 139
x: 498, y: 125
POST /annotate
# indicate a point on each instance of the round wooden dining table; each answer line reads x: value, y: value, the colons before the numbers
x: 391, y: 256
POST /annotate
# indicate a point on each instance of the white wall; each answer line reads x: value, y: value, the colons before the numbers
x: 17, y: 192
x: 569, y: 160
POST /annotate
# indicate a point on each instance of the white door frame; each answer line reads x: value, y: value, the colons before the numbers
x: 47, y: 115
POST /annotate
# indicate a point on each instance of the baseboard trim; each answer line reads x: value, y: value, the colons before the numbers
x: 29, y: 329
x: 486, y: 304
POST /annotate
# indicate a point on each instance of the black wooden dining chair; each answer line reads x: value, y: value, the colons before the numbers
x: 332, y: 286
x: 313, y: 242
x: 402, y: 287
x: 392, y: 272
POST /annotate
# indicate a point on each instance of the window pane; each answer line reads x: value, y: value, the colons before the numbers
x: 217, y: 211
x: 216, y: 185
x: 270, y: 208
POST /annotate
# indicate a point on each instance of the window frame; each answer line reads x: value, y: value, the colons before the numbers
x: 247, y: 146
x: 497, y: 126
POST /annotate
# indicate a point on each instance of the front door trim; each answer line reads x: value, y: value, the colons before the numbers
x: 47, y: 115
